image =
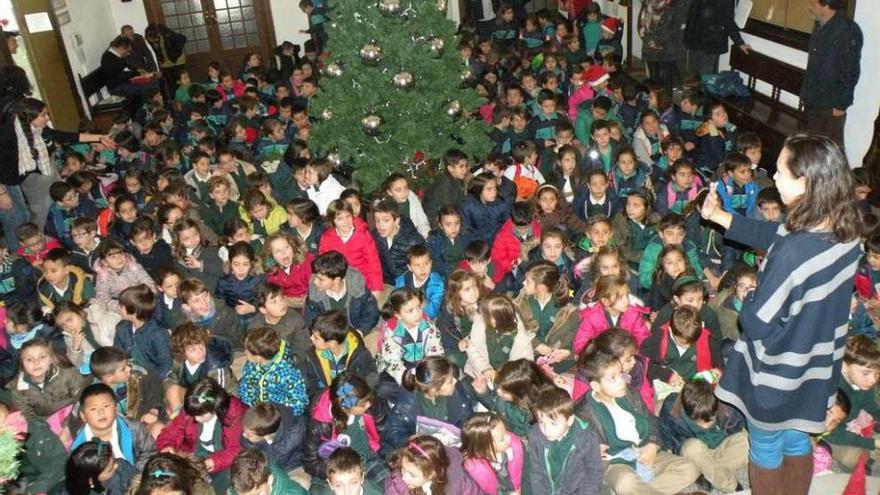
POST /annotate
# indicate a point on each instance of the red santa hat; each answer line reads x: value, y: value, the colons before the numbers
x: 596, y: 75
x: 611, y: 24
x: 856, y: 484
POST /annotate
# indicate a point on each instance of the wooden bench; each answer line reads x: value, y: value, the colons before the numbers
x: 764, y: 114
x: 103, y: 107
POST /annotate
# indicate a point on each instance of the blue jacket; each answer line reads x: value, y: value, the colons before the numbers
x: 149, y: 347
x: 622, y: 186
x: 433, y: 290
x: 437, y: 247
x: 286, y: 448
x: 231, y: 290
x: 674, y: 431
x: 135, y: 442
x: 58, y: 220
x: 726, y: 190
x: 277, y: 380
x: 401, y: 423
x: 482, y: 221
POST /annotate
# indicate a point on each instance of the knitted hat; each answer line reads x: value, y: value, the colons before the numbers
x: 611, y: 24
x: 596, y: 75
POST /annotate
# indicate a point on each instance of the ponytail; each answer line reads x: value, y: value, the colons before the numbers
x: 397, y: 299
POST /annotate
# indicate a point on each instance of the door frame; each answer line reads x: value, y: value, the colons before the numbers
x: 154, y: 14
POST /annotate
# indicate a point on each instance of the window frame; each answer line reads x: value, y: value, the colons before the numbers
x: 786, y: 36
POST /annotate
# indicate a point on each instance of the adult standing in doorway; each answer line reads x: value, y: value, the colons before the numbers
x: 710, y: 24
x: 833, y: 69
x: 169, y: 47
x: 783, y: 372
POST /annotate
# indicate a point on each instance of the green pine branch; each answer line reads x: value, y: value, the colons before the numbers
x: 414, y: 119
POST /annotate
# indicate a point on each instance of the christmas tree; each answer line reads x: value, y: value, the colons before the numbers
x: 394, y: 90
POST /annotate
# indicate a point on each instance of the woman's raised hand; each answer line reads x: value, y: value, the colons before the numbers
x: 712, y: 203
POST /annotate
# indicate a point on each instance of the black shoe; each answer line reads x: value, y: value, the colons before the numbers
x: 703, y: 484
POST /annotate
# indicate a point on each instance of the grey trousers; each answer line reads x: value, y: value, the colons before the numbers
x: 36, y: 191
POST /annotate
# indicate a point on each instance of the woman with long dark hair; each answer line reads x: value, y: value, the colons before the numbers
x: 26, y: 182
x: 783, y: 371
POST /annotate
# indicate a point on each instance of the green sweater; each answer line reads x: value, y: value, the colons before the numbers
x: 518, y: 420
x: 648, y: 263
x: 860, y: 400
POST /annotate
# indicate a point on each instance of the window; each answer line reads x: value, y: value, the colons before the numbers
x: 787, y: 22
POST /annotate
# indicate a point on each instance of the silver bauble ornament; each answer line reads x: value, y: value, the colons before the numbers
x: 403, y: 80
x: 467, y: 77
x: 441, y: 5
x: 333, y: 69
x: 390, y: 8
x: 453, y: 109
x: 371, y: 54
x: 334, y: 159
x: 327, y: 114
x: 435, y: 46
x: 371, y: 124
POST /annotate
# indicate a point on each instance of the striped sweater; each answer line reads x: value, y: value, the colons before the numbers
x: 784, y: 370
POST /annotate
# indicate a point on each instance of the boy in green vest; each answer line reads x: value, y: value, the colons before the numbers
x: 629, y: 434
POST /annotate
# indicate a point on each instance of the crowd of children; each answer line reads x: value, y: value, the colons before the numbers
x: 212, y: 308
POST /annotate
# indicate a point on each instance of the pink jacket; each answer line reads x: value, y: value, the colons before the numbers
x: 110, y: 283
x: 594, y: 322
x: 581, y: 94
x: 482, y: 473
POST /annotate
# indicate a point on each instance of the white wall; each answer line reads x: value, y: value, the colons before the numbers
x: 132, y: 13
x: 289, y: 20
x: 860, y: 117
x: 87, y: 35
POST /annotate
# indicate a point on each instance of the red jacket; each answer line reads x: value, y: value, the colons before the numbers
x: 182, y: 435
x: 360, y: 252
x: 507, y: 248
x: 32, y: 257
x: 594, y: 322
x: 296, y: 282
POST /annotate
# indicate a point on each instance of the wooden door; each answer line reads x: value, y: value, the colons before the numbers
x: 224, y: 30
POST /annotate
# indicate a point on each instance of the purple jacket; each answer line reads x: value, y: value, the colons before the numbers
x: 458, y: 481
x: 110, y: 283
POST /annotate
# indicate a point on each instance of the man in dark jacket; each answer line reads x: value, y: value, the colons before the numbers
x: 117, y: 73
x: 709, y: 24
x: 141, y: 56
x: 833, y: 69
x: 169, y: 49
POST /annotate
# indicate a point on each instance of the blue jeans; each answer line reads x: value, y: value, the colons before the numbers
x: 11, y: 219
x: 767, y: 448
